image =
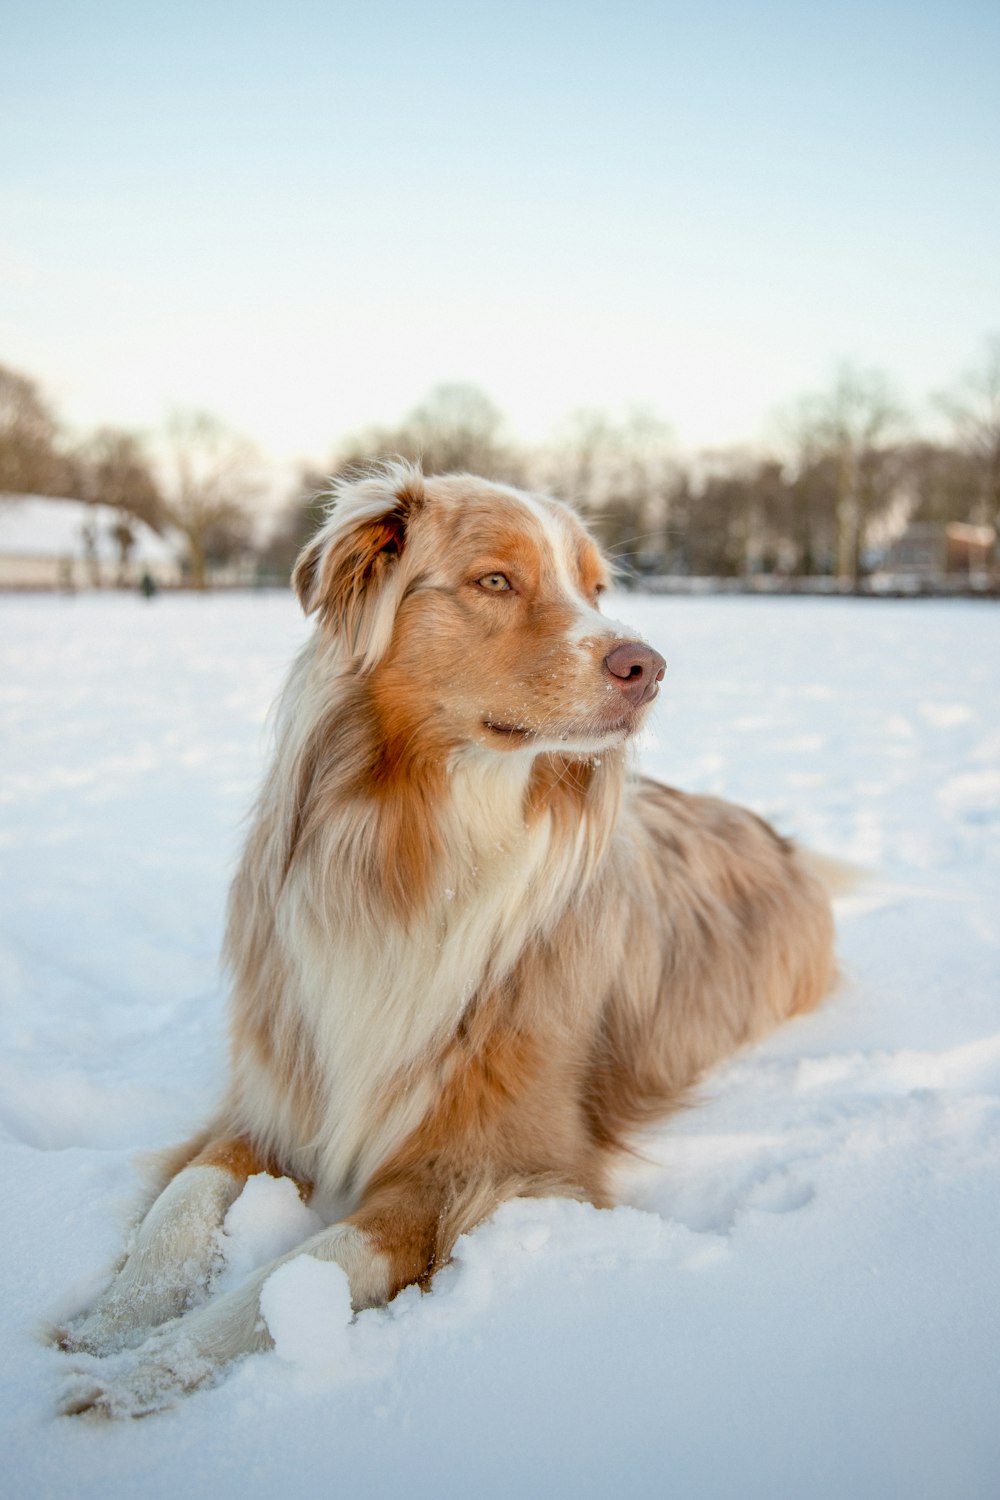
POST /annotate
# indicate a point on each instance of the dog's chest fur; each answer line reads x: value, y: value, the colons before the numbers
x: 379, y: 999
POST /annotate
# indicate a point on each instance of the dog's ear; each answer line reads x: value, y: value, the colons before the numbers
x: 344, y: 573
x: 339, y: 564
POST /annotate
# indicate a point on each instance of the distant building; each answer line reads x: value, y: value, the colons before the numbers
x: 930, y: 551
x: 970, y: 550
x: 67, y: 544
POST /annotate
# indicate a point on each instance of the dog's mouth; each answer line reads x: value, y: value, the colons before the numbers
x: 509, y: 731
x: 623, y: 725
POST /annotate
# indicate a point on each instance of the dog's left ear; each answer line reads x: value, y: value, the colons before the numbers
x: 347, y: 570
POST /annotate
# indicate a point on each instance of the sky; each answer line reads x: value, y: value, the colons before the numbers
x: 302, y: 217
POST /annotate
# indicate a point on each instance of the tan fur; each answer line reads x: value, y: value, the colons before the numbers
x: 470, y: 951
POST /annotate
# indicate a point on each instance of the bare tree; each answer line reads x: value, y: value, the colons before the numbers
x: 30, y: 461
x: 941, y: 482
x: 124, y: 537
x: 623, y: 475
x: 732, y: 517
x: 574, y: 464
x: 456, y: 428
x: 211, y: 475
x: 974, y: 408
x: 115, y: 469
x: 301, y: 517
x: 845, y: 438
x: 811, y: 475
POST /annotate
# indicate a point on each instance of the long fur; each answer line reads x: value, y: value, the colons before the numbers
x: 471, y: 951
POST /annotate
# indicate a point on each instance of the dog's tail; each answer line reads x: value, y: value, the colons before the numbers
x: 838, y: 877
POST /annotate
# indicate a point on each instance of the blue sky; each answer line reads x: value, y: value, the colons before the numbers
x: 304, y: 216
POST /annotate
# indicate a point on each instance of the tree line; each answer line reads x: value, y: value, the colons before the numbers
x: 202, y: 482
x: 846, y: 469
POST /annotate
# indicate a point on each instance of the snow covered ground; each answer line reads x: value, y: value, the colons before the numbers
x: 801, y: 1297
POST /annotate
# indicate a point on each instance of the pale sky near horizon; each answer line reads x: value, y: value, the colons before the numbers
x: 304, y: 216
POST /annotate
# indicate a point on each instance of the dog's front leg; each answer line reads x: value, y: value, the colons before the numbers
x: 403, y: 1231
x: 481, y: 1144
x: 191, y: 1350
x: 169, y: 1266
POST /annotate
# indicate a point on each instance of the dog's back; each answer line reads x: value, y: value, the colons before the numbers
x: 720, y: 933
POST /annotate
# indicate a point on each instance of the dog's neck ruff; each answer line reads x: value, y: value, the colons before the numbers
x: 363, y: 988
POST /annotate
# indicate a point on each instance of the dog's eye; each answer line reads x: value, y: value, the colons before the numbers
x: 494, y: 583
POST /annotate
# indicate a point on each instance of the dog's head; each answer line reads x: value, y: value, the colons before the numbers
x: 472, y: 612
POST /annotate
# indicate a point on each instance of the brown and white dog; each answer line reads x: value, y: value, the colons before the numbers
x: 471, y: 952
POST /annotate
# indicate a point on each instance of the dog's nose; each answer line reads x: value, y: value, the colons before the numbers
x: 636, y: 669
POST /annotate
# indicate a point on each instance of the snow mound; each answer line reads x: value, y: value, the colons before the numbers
x: 267, y: 1220
x: 306, y: 1305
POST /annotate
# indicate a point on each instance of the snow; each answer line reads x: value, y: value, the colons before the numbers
x: 307, y: 1308
x: 267, y: 1220
x: 799, y: 1295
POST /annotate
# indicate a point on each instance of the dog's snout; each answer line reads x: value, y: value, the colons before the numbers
x: 635, y: 669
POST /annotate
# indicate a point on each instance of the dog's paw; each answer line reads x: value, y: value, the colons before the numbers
x: 104, y: 1331
x: 83, y: 1336
x: 126, y: 1317
x: 83, y: 1394
x: 137, y: 1382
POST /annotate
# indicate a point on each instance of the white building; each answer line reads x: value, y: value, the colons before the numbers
x: 67, y: 544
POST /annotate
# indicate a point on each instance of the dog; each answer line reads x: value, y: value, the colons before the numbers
x: 471, y: 951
